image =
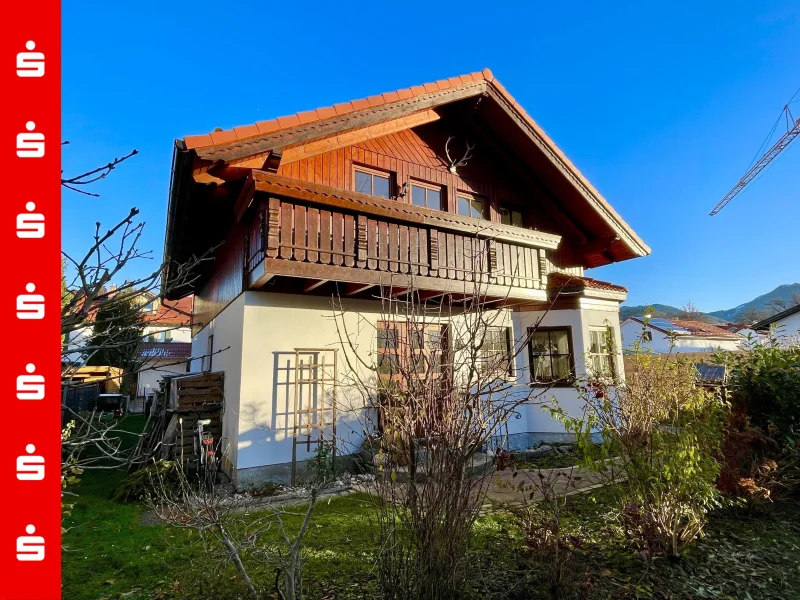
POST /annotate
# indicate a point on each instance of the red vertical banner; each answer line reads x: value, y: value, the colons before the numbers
x: 30, y: 225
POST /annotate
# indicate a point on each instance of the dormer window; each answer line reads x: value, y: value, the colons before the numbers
x: 373, y: 183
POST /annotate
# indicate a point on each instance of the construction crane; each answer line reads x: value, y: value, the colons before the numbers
x: 792, y: 131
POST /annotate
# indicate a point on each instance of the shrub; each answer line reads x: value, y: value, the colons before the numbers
x: 765, y: 381
x: 665, y: 432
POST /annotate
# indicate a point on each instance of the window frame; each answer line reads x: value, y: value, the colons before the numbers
x: 372, y: 172
x: 508, y: 372
x: 209, y: 354
x: 432, y: 187
x: 404, y: 350
x: 570, y: 345
x: 472, y: 197
x: 511, y: 210
x: 611, y: 354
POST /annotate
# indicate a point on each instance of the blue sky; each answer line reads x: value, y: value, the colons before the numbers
x: 661, y: 106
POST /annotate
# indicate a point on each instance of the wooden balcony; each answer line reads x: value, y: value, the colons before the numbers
x: 297, y: 229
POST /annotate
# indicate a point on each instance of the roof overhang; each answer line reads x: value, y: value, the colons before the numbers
x: 223, y: 159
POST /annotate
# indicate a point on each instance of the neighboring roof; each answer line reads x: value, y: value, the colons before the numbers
x: 564, y: 281
x: 171, y: 313
x: 765, y: 323
x: 691, y: 329
x: 165, y: 350
x: 270, y: 138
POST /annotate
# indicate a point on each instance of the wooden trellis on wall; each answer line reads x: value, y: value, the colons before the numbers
x: 314, y: 398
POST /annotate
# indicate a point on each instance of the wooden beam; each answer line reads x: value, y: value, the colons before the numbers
x: 351, y: 289
x: 602, y: 244
x: 339, y: 124
x: 359, y: 135
x: 314, y: 284
x: 363, y: 279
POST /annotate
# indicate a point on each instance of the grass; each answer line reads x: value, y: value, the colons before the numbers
x: 109, y: 555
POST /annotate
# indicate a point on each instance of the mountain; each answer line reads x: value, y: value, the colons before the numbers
x: 786, y: 293
x: 659, y: 310
x: 757, y: 308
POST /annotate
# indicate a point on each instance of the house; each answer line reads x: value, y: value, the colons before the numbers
x: 784, y: 326
x: 677, y: 335
x: 441, y: 191
x: 166, y: 343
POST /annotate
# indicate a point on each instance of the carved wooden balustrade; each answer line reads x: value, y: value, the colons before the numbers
x: 307, y: 230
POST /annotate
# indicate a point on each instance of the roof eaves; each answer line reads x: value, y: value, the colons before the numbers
x: 765, y: 323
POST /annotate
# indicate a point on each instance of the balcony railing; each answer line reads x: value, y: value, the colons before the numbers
x: 308, y: 230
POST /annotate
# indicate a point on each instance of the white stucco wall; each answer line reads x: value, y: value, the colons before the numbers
x: 154, y: 370
x: 228, y: 331
x: 179, y: 334
x: 787, y: 330
x: 593, y: 314
x: 263, y: 329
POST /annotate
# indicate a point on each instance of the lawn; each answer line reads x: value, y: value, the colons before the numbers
x: 108, y: 554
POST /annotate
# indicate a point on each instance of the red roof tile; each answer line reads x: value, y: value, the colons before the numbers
x: 165, y: 350
x: 171, y: 313
x: 560, y: 280
x: 703, y: 329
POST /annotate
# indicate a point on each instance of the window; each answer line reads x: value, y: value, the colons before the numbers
x: 373, y: 183
x: 471, y: 207
x: 509, y: 216
x: 647, y: 336
x: 209, y: 352
x: 427, y: 197
x: 406, y: 348
x: 495, y: 353
x: 149, y: 307
x: 601, y: 351
x: 552, y: 360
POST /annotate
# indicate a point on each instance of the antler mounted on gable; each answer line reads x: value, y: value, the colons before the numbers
x: 454, y: 164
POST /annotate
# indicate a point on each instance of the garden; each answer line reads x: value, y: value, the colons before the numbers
x: 697, y: 499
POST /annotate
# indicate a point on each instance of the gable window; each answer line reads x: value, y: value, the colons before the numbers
x: 426, y: 196
x: 509, y: 216
x: 551, y: 357
x: 601, y: 351
x: 495, y: 353
x: 471, y: 207
x: 371, y: 182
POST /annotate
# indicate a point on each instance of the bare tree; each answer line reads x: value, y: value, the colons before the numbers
x: 440, y: 388
x: 236, y: 529
x: 691, y: 313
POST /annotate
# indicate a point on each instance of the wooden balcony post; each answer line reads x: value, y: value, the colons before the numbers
x: 542, y: 269
x: 273, y: 228
x: 433, y: 253
x: 492, y: 258
x: 361, y: 241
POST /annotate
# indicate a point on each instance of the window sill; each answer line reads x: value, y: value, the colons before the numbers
x: 553, y: 384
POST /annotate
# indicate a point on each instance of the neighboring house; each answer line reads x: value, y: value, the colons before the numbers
x: 443, y: 190
x: 784, y: 326
x: 165, y: 346
x: 677, y: 335
x: 166, y: 342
